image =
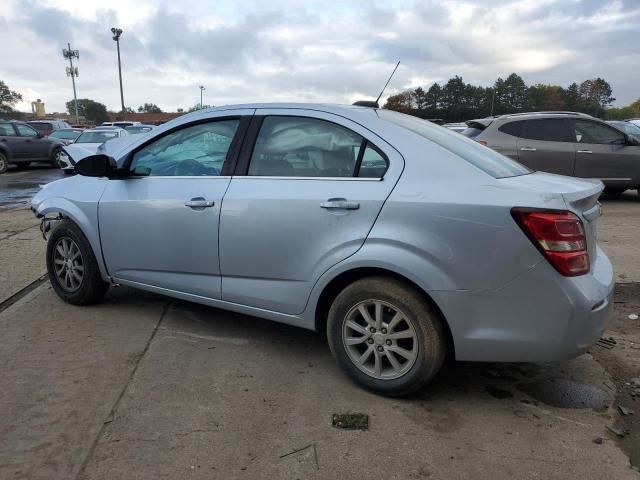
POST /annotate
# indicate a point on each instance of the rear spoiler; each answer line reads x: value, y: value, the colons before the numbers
x: 480, y: 123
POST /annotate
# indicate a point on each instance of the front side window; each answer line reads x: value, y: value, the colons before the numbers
x: 6, y: 130
x: 592, y: 132
x: 25, y: 131
x: 197, y: 150
x: 65, y: 134
x: 310, y: 147
x: 545, y: 129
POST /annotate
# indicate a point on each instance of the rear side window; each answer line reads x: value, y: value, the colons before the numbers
x: 545, y: 129
x: 309, y: 147
x: 512, y: 128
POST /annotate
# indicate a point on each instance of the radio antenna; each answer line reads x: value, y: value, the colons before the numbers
x: 385, y: 85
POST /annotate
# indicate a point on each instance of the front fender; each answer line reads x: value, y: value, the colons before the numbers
x: 84, y: 215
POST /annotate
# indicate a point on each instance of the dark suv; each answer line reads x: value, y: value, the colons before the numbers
x: 21, y: 144
x: 566, y: 143
x: 47, y: 127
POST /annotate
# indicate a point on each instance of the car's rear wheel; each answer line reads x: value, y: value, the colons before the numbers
x: 386, y: 336
x: 72, y: 266
x: 4, y: 162
x: 55, y: 157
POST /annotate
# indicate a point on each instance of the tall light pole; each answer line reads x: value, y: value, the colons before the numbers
x: 73, y: 73
x: 116, y: 36
x: 201, y: 90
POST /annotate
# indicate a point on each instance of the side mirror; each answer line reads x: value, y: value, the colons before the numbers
x: 39, y: 135
x: 96, y: 166
x: 633, y: 141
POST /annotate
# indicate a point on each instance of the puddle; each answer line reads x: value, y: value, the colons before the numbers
x: 563, y: 393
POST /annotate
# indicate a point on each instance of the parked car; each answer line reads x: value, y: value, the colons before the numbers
x: 627, y: 127
x: 405, y: 241
x: 87, y: 144
x: 635, y: 121
x: 47, y: 127
x: 120, y: 123
x: 566, y: 143
x: 67, y: 135
x: 21, y: 144
x: 139, y: 129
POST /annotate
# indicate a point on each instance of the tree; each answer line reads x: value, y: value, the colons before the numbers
x: 91, y: 110
x: 197, y: 107
x: 546, y: 97
x: 402, y: 102
x: 149, y: 108
x: 8, y: 98
x: 420, y: 99
x: 596, y: 95
x: 572, y: 98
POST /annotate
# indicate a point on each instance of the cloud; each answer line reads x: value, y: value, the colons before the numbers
x: 311, y: 51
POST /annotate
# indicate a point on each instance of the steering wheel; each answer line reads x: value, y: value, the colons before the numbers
x: 190, y: 167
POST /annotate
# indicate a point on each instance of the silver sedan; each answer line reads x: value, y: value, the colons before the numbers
x: 402, y: 240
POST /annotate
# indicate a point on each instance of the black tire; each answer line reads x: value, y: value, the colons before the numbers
x: 55, y: 157
x: 91, y: 287
x: 4, y: 162
x: 427, y: 324
x: 23, y: 165
x: 614, y: 191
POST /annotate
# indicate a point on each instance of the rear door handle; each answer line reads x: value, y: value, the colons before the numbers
x: 199, y: 202
x: 584, y: 151
x: 528, y: 149
x: 340, y: 203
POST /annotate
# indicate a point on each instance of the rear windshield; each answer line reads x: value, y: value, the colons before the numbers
x: 96, y: 137
x: 484, y: 158
x: 65, y: 134
x: 472, y: 132
x: 42, y: 127
x: 136, y: 130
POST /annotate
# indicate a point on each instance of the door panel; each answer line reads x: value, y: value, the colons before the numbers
x: 30, y: 146
x: 150, y: 236
x: 279, y: 234
x: 602, y: 154
x: 161, y: 228
x: 545, y: 145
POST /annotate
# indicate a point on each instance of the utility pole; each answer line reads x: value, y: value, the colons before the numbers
x: 73, y: 73
x: 116, y: 36
x: 201, y: 90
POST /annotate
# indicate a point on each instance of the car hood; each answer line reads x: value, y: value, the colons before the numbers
x: 113, y: 147
x: 78, y: 151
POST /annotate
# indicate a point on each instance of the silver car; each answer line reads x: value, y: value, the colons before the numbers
x: 566, y: 143
x: 406, y: 242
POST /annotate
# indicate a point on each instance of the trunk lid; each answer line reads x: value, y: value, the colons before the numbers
x: 579, y: 194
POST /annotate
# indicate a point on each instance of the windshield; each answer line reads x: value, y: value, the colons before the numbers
x: 65, y: 134
x: 96, y: 137
x: 487, y: 160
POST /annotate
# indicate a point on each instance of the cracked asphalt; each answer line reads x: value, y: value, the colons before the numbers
x: 144, y: 387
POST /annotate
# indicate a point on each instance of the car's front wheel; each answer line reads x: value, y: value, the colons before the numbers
x: 386, y: 336
x: 72, y: 266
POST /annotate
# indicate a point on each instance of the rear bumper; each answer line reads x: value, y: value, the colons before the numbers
x: 539, y: 316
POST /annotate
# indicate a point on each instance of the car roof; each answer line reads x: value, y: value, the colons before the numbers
x: 103, y: 129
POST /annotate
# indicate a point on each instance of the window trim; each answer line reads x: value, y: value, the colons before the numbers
x: 251, y: 137
x: 229, y: 162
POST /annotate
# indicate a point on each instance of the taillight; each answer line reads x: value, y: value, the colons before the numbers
x: 559, y: 235
x: 482, y: 142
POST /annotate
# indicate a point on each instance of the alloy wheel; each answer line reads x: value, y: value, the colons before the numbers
x: 68, y: 264
x: 380, y: 340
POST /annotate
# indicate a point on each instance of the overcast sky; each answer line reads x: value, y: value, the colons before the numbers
x: 310, y: 50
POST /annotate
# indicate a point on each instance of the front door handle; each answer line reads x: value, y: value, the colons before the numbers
x: 340, y: 203
x: 528, y: 149
x: 199, y: 202
x: 584, y: 151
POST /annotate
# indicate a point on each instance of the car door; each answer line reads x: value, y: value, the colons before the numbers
x: 546, y: 145
x: 159, y: 227
x: 30, y: 144
x: 10, y: 140
x: 602, y: 152
x: 305, y: 198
